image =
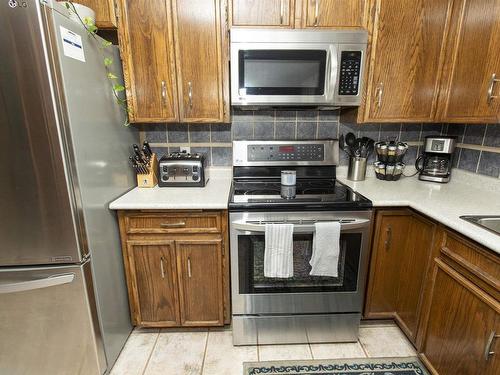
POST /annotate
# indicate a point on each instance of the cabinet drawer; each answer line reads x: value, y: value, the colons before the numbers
x: 478, y: 261
x: 173, y: 223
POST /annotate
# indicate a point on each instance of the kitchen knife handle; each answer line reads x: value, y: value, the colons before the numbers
x: 189, y: 267
x: 491, y: 88
x: 316, y: 13
x: 388, y: 238
x: 190, y: 94
x: 173, y: 225
x: 162, y: 268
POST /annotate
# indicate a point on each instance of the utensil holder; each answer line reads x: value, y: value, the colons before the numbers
x: 150, y: 179
x: 357, y: 168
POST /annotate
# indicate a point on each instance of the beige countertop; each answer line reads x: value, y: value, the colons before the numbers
x: 466, y: 194
x: 214, y: 195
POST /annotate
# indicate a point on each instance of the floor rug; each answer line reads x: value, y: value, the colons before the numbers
x: 356, y: 366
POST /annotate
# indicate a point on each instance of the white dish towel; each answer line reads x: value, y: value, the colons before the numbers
x: 326, y: 249
x: 278, y: 253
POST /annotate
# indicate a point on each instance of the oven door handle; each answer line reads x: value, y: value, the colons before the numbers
x: 299, y: 228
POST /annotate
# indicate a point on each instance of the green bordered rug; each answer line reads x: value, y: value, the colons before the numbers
x: 357, y: 366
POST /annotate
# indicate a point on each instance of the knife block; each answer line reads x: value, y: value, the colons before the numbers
x: 151, y: 179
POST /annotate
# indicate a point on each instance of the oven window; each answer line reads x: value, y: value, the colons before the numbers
x: 282, y: 72
x: 251, y: 267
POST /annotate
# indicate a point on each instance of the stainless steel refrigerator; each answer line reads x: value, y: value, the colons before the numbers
x: 63, y: 147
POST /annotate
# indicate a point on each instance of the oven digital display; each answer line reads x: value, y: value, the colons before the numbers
x: 286, y: 149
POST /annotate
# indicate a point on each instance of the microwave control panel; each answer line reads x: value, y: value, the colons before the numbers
x: 350, y: 68
x: 289, y: 152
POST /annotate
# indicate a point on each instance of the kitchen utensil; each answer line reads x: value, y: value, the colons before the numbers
x: 288, y: 178
x: 146, y: 146
x: 357, y: 169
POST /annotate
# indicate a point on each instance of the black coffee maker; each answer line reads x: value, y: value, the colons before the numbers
x: 435, y: 162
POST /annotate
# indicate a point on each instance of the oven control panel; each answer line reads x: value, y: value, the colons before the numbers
x: 350, y: 68
x: 286, y: 152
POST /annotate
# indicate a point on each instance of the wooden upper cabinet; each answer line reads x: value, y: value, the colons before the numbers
x: 461, y: 327
x: 105, y: 12
x: 472, y: 70
x: 154, y: 282
x: 406, y: 52
x: 148, y: 62
x: 198, y: 35
x: 335, y: 13
x: 262, y: 13
x: 200, y: 279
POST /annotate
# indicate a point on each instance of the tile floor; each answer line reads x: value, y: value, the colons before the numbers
x: 155, y: 352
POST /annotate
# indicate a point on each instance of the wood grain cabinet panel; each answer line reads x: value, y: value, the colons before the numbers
x: 407, y: 49
x: 105, y: 12
x: 200, y: 279
x: 335, y: 13
x: 174, y: 223
x: 461, y: 328
x: 154, y: 282
x: 199, y: 60
x: 145, y: 34
x: 265, y: 13
x: 472, y: 62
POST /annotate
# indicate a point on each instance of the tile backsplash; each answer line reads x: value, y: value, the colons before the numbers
x: 478, y: 148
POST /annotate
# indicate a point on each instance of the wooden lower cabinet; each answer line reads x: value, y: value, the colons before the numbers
x: 462, y: 328
x: 176, y: 276
x: 400, y: 258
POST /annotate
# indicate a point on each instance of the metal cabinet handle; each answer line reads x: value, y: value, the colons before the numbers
x: 190, y: 94
x: 189, y: 267
x: 173, y: 225
x: 487, y: 349
x: 164, y: 90
x: 282, y: 11
x: 47, y: 282
x: 491, y: 88
x: 380, y: 92
x: 162, y: 268
x: 388, y: 240
x: 316, y: 13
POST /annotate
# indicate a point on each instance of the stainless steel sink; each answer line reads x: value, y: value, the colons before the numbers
x: 492, y: 223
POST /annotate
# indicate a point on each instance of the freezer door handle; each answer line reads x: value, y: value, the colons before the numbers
x: 47, y: 282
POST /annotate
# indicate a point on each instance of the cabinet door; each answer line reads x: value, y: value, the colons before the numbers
x: 407, y: 49
x: 200, y: 279
x: 472, y: 74
x: 460, y: 325
x: 336, y: 13
x: 104, y: 12
x: 412, y: 273
x: 262, y: 13
x: 198, y: 46
x: 148, y: 61
x: 391, y: 236
x: 153, y: 277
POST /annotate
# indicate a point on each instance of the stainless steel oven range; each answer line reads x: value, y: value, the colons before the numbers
x: 302, y: 308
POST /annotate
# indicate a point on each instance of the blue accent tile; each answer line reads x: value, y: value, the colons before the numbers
x: 430, y: 129
x: 242, y: 131
x: 469, y: 159
x: 410, y: 132
x: 343, y: 159
x: 492, y: 137
x: 474, y: 134
x: 370, y: 130
x: 285, y: 130
x: 155, y: 133
x: 411, y: 155
x: 284, y: 115
x: 160, y: 151
x: 345, y: 128
x: 240, y: 115
x: 328, y: 130
x: 264, y: 115
x: 456, y: 130
x: 489, y: 164
x: 329, y: 115
x: 456, y: 157
x: 177, y: 133
x: 204, y: 151
x: 222, y: 156
x: 307, y: 115
x: 389, y: 132
x: 306, y: 130
x: 264, y: 131
x: 199, y: 133
x: 174, y: 149
x: 220, y: 133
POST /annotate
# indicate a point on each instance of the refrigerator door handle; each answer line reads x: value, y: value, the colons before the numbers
x: 47, y: 282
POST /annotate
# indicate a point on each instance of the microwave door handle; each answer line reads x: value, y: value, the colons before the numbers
x: 331, y: 77
x: 298, y: 228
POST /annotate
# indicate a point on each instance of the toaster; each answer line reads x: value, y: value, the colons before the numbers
x: 182, y: 169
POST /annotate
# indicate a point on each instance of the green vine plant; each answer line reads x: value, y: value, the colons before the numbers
x: 104, y: 45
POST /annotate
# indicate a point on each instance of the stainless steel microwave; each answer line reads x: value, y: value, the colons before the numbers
x: 297, y: 67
